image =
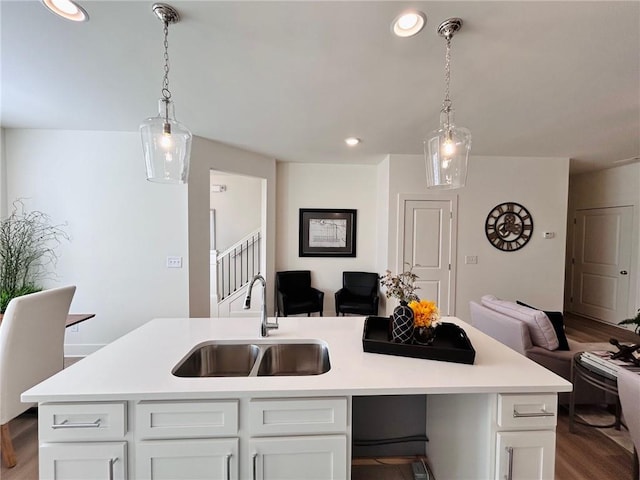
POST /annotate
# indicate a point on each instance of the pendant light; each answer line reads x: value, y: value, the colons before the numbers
x: 166, y: 143
x: 446, y: 150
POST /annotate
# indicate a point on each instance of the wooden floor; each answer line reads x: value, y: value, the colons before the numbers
x: 586, y: 454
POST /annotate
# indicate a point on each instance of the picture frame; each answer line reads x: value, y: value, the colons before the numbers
x: 327, y: 232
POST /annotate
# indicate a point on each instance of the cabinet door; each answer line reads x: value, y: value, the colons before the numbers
x: 210, y: 459
x: 525, y: 455
x: 295, y: 458
x: 83, y: 461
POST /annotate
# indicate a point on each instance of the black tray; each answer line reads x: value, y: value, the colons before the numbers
x: 450, y: 343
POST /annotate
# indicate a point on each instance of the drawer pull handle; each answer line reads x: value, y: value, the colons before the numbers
x: 66, y: 424
x: 542, y: 413
x: 229, y: 467
x: 255, y: 466
x: 111, y: 462
x: 509, y: 475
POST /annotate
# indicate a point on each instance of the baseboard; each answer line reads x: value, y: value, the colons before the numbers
x: 81, y: 349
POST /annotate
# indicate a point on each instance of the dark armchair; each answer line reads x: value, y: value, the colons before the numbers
x: 359, y: 294
x: 294, y: 293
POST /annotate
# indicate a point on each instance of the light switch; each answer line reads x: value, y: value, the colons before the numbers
x: 471, y: 259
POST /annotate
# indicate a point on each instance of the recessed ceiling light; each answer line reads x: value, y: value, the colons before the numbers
x: 67, y: 9
x: 352, y: 141
x: 409, y: 23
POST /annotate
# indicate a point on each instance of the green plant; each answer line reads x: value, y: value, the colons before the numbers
x: 633, y: 321
x: 27, y: 251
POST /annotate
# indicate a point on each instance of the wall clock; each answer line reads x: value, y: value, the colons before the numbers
x: 509, y: 226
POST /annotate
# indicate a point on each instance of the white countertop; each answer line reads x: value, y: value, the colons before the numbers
x: 138, y: 365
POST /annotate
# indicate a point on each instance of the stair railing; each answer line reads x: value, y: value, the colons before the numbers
x: 238, y: 264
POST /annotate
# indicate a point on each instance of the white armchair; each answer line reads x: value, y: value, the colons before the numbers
x: 629, y: 393
x: 31, y: 350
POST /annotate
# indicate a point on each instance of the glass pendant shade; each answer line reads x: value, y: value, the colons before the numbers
x: 446, y: 152
x: 166, y: 144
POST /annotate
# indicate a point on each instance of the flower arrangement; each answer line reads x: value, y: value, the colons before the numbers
x: 401, y: 286
x: 425, y: 313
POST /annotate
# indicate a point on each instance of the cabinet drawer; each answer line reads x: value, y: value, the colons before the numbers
x: 297, y: 416
x: 187, y: 419
x: 527, y: 411
x: 81, y: 421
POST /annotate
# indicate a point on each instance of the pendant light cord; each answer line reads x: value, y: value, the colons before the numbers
x: 446, y: 104
x: 166, y: 94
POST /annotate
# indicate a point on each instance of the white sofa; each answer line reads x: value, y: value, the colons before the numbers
x: 508, y: 327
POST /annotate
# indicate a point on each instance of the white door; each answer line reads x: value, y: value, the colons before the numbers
x: 601, y: 263
x: 83, y: 461
x: 210, y: 459
x: 526, y: 455
x: 427, y: 241
x: 297, y: 458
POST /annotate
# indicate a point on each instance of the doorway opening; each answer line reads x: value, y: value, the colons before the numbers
x: 237, y: 216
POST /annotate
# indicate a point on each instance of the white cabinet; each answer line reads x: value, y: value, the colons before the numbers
x: 178, y: 440
x: 291, y: 416
x: 478, y: 436
x: 83, y: 441
x: 97, y: 421
x: 186, y: 419
x: 526, y: 437
x: 293, y: 439
x: 201, y: 459
x: 525, y: 455
x: 295, y: 458
x: 83, y: 461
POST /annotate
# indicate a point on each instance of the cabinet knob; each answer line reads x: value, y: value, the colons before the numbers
x: 623, y: 272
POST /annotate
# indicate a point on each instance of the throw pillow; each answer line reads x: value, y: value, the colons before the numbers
x: 557, y: 320
x: 540, y: 328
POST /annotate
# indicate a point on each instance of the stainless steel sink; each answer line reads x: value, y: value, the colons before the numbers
x: 216, y: 359
x: 294, y: 359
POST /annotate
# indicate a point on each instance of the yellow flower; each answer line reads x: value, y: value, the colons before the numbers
x: 425, y: 313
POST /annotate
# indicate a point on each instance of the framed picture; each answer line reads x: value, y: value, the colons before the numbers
x: 327, y: 232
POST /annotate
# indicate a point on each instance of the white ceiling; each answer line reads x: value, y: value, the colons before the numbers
x: 292, y: 79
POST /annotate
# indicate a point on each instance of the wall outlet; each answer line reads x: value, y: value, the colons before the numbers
x: 470, y: 259
x: 548, y: 234
x: 174, y: 262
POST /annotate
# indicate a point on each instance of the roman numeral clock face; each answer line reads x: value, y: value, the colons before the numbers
x: 509, y: 226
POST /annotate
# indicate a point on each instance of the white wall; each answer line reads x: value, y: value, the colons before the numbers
x: 237, y: 208
x: 207, y: 155
x: 609, y: 188
x: 122, y: 227
x: 534, y: 274
x: 327, y: 186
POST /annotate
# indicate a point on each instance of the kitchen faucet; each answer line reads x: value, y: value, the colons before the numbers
x: 265, y: 326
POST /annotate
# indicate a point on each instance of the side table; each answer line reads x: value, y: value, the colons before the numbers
x: 605, y: 381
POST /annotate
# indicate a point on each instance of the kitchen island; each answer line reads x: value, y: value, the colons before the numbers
x: 121, y: 413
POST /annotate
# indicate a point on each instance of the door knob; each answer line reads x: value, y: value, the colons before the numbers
x: 623, y: 272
